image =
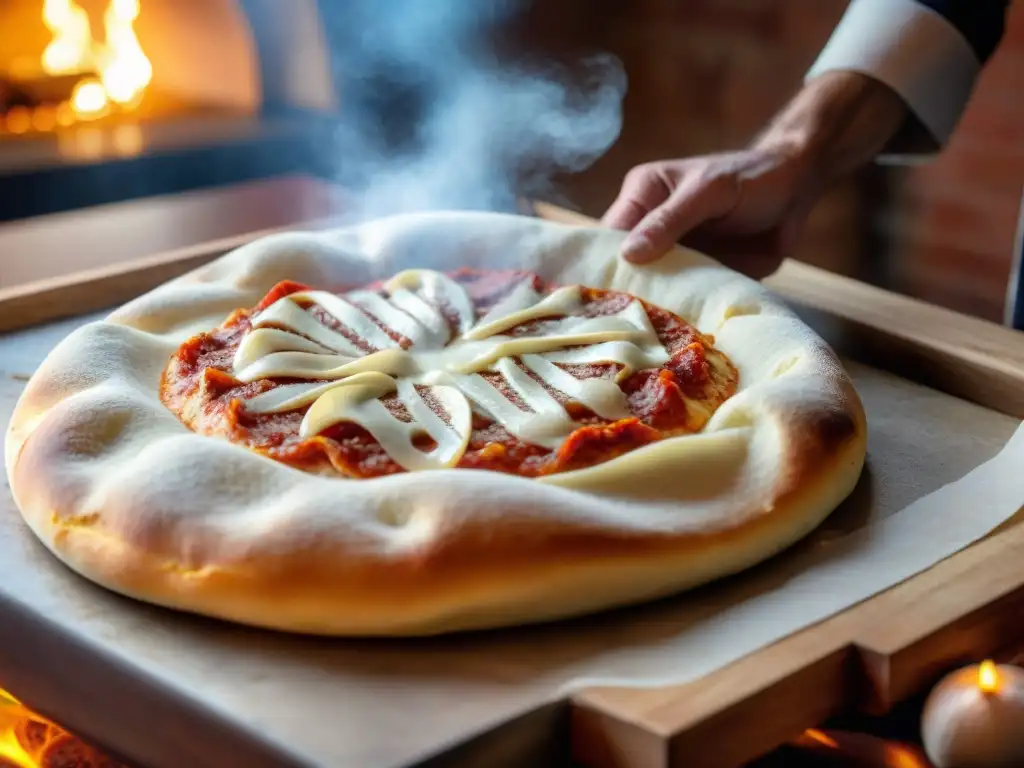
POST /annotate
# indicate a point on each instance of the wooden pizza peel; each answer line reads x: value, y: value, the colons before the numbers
x: 161, y: 688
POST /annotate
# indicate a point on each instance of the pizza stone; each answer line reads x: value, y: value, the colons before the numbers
x: 117, y: 488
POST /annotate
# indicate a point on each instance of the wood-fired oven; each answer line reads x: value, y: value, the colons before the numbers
x: 104, y: 100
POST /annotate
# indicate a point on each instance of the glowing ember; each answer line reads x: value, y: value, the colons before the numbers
x: 988, y: 677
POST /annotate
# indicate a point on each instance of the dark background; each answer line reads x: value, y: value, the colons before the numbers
x: 704, y: 75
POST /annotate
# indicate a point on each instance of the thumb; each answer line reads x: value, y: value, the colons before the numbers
x: 691, y: 204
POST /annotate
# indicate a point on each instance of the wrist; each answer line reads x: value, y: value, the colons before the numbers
x: 837, y: 123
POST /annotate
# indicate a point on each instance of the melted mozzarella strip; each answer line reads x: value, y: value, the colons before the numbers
x: 564, y: 301
x: 311, y: 365
x: 546, y: 428
x: 290, y: 316
x: 397, y: 318
x: 347, y: 385
x: 602, y: 396
x: 440, y: 290
x: 519, y: 298
x: 356, y: 400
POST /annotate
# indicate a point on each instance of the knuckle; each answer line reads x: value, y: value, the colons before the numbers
x: 639, y: 174
x: 659, y: 221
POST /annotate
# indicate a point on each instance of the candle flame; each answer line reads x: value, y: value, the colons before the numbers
x: 988, y: 677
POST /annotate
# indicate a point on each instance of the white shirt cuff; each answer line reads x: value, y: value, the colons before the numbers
x: 914, y: 51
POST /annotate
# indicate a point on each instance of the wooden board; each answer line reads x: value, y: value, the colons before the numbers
x: 882, y: 651
x: 967, y: 606
x: 104, y: 235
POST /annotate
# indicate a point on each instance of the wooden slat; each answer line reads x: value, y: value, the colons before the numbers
x: 965, y: 607
x: 43, y: 247
x: 108, y: 286
x: 968, y: 357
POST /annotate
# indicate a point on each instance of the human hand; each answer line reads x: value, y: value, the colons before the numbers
x: 744, y: 208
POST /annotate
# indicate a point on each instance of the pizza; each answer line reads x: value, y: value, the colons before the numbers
x: 431, y: 423
x: 476, y: 369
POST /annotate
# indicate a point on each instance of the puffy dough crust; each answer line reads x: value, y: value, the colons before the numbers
x: 118, y: 489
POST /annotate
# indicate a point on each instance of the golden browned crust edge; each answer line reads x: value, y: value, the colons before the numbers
x: 453, y: 583
x: 549, y: 569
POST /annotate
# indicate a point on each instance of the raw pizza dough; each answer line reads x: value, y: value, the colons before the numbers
x: 122, y: 492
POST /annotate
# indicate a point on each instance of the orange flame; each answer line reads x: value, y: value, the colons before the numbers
x: 70, y: 51
x: 122, y: 70
x: 30, y: 741
x: 822, y: 738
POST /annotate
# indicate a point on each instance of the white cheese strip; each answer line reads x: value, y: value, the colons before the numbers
x: 289, y: 397
x: 451, y: 440
x: 544, y: 429
x: 357, y: 402
x: 530, y: 391
x: 352, y: 383
x: 428, y: 316
x: 266, y: 341
x: 625, y: 353
x: 595, y: 331
x: 521, y: 297
x: 348, y: 315
x: 439, y: 290
x: 635, y: 313
x: 562, y: 302
x: 390, y: 315
x: 284, y: 313
x: 602, y: 396
x: 304, y: 365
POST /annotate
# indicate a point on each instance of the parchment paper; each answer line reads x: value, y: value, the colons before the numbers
x: 923, y: 496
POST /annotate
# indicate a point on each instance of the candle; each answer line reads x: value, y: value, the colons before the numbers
x: 974, y: 718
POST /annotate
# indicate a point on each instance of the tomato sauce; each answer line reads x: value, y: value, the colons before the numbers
x: 657, y: 398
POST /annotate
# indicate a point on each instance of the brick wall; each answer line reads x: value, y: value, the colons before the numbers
x: 706, y: 74
x: 954, y: 231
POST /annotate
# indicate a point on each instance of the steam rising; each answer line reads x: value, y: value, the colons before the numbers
x: 431, y: 120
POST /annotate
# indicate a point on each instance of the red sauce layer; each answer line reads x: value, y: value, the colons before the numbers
x: 199, y: 387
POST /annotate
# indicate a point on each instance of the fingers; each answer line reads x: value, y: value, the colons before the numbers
x: 696, y: 200
x: 642, y: 191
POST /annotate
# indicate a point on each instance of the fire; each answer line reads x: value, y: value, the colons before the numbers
x: 116, y: 70
x: 89, y: 99
x: 124, y: 69
x: 13, y: 714
x: 71, y: 50
x: 30, y: 741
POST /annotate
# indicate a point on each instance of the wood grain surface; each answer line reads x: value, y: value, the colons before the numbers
x: 67, y: 264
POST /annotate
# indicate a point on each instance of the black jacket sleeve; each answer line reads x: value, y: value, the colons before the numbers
x: 981, y: 22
